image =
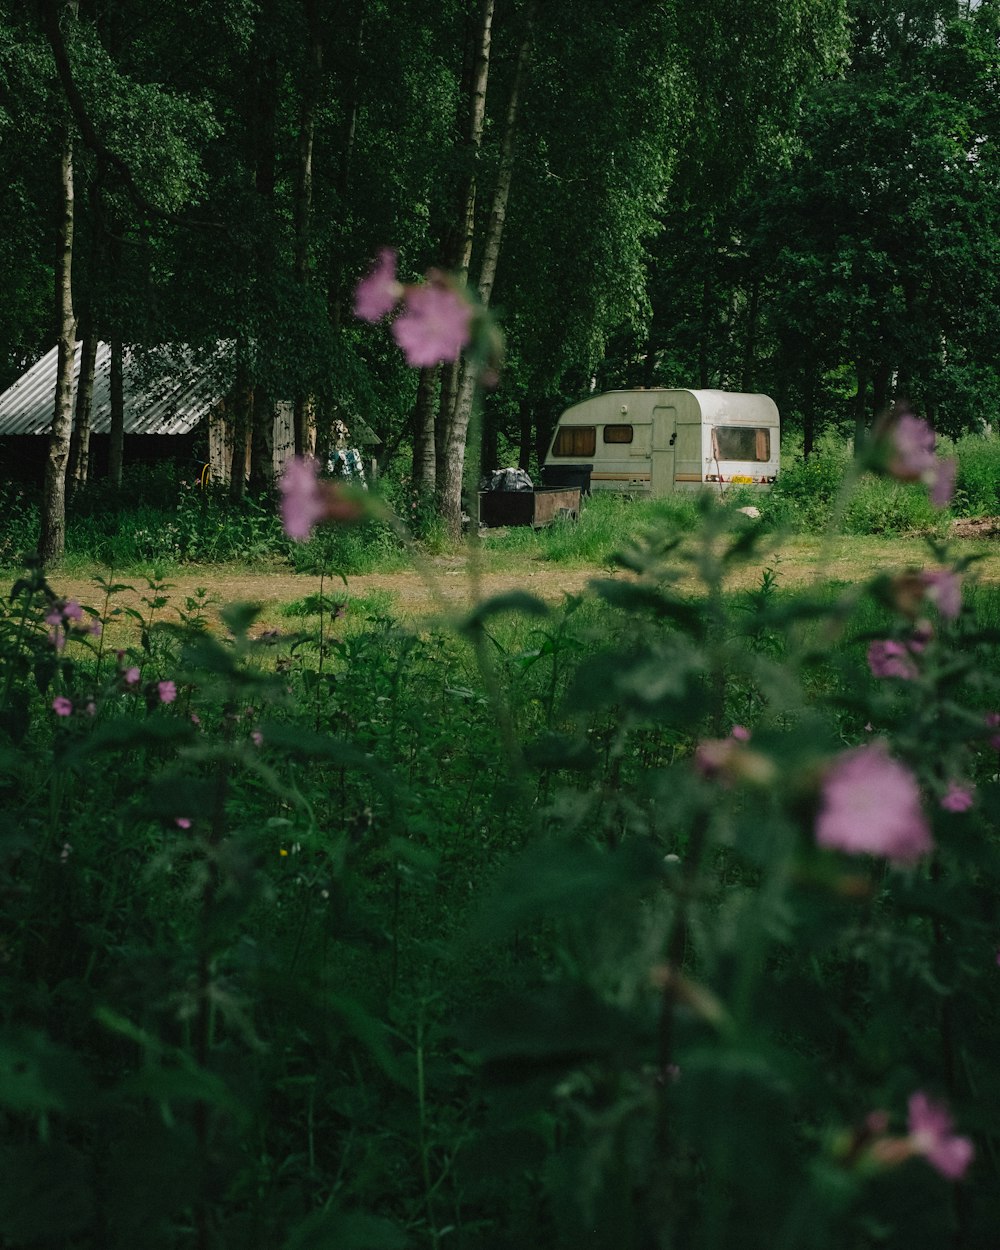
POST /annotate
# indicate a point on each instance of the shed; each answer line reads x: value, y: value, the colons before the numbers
x: 168, y: 392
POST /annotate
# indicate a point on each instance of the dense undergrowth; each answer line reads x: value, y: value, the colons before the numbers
x: 363, y: 935
x: 158, y: 522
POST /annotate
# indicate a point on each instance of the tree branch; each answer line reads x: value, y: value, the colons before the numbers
x: 88, y: 132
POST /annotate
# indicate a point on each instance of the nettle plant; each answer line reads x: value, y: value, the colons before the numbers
x: 658, y: 920
x: 760, y: 900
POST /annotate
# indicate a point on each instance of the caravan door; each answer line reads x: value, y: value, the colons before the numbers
x: 662, y: 452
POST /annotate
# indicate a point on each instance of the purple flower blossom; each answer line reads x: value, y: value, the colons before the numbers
x: 887, y: 658
x: 302, y: 503
x: 931, y: 1136
x: 944, y: 588
x: 730, y: 759
x: 131, y: 677
x: 959, y: 797
x: 912, y: 458
x: 167, y: 691
x: 941, y: 481
x: 182, y: 822
x: 871, y: 806
x: 378, y: 293
x: 62, y: 706
x: 434, y: 324
x: 912, y: 453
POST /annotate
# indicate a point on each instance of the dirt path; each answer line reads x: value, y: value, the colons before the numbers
x: 445, y: 585
x: 445, y: 588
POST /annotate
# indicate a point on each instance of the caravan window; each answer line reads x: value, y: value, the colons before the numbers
x: 741, y: 442
x: 618, y: 434
x: 575, y: 440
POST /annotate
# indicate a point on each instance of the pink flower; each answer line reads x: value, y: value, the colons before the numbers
x: 912, y: 458
x: 944, y: 588
x: 887, y: 658
x: 378, y: 294
x: 182, y: 822
x: 72, y: 610
x: 306, y: 500
x: 959, y: 797
x: 912, y: 453
x: 257, y: 738
x: 871, y: 806
x: 730, y: 759
x: 941, y: 481
x: 434, y: 325
x: 167, y: 691
x: 931, y: 1135
x: 62, y: 706
x: 131, y: 677
x: 302, y: 504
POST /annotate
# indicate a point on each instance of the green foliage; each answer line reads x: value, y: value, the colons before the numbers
x: 492, y: 934
x: 977, y: 487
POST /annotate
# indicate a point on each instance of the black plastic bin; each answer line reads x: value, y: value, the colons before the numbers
x: 567, y: 476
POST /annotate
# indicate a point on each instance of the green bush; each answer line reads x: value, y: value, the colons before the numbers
x: 880, y: 505
x: 977, y: 488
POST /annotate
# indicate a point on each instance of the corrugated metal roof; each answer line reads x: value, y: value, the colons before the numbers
x: 167, y: 390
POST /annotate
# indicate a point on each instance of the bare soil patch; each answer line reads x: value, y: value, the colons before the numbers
x: 975, y: 527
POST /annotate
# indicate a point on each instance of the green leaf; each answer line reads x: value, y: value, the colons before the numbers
x: 36, y: 1075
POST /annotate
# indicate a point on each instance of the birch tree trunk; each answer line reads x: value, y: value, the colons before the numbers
x: 458, y: 253
x: 79, y: 448
x: 52, y: 539
x: 457, y: 430
x: 424, y: 459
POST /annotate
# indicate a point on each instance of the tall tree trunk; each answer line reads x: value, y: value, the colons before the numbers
x: 458, y: 252
x: 706, y: 300
x: 862, y: 371
x: 242, y: 424
x: 116, y: 439
x: 335, y: 290
x: 311, y: 80
x: 52, y: 539
x: 880, y: 388
x: 750, y: 338
x: 79, y: 447
x: 525, y: 433
x: 258, y: 418
x: 424, y: 462
x: 458, y: 428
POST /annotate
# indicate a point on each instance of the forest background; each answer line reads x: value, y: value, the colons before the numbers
x: 799, y: 198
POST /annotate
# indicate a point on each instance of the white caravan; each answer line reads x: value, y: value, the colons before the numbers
x: 654, y: 442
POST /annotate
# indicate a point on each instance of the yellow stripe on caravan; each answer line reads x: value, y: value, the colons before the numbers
x: 619, y: 477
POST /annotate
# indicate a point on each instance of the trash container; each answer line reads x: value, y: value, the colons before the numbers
x: 568, y: 476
